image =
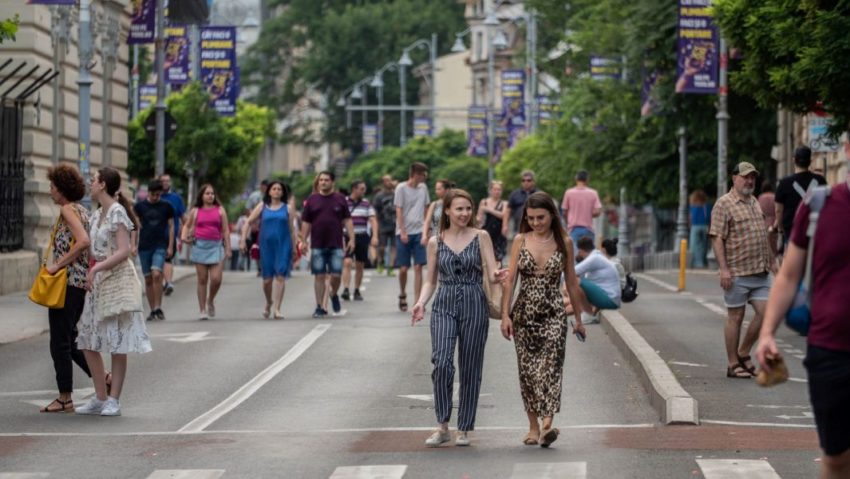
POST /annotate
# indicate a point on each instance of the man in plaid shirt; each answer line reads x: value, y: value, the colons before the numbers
x: 739, y: 239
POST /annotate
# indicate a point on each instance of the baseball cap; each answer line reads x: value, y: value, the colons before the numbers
x: 744, y: 168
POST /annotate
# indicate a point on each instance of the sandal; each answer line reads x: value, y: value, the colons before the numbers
x: 743, y: 360
x: 267, y: 311
x: 739, y: 372
x: 532, y: 438
x: 66, y: 406
x: 402, y: 302
x: 108, y: 381
x: 549, y: 436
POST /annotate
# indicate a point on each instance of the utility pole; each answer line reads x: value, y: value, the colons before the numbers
x: 134, y: 84
x: 84, y: 81
x: 402, y: 80
x: 533, y: 115
x: 380, y: 116
x: 491, y: 103
x: 159, y: 109
x: 433, y: 59
x: 722, y: 119
x: 682, y: 220
x: 623, y: 226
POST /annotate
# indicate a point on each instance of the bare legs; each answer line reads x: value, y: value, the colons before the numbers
x: 277, y: 292
x: 208, y: 276
x: 735, y: 347
x: 98, y: 373
x: 417, y: 280
x: 153, y: 289
x: 267, y: 291
x: 835, y: 467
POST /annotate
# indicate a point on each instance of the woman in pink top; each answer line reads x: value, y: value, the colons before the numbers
x: 207, y: 232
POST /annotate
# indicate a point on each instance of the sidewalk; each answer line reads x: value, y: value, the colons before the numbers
x: 23, y: 319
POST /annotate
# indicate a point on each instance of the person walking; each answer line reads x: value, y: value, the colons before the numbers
x: 541, y: 253
x: 411, y: 200
x: 322, y: 221
x: 125, y: 332
x: 828, y: 355
x: 459, y: 314
x: 385, y: 212
x: 69, y: 244
x: 516, y: 203
x: 739, y: 239
x: 365, y: 236
x: 700, y: 214
x: 580, y: 205
x: 156, y: 242
x: 207, y: 232
x: 277, y: 243
x: 792, y: 189
x: 431, y: 227
x: 491, y: 212
x: 176, y: 202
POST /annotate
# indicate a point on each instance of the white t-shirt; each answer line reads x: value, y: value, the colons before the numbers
x: 413, y: 203
x: 601, y: 272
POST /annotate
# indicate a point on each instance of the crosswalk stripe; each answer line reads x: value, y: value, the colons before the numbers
x: 23, y: 475
x: 186, y: 474
x: 550, y: 470
x: 369, y: 472
x: 736, y: 469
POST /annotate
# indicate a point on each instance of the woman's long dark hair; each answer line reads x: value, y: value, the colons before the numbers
x: 543, y: 201
x: 450, y: 196
x: 112, y: 179
x: 199, y: 200
x: 283, y: 199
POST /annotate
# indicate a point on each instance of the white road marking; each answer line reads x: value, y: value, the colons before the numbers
x: 758, y: 424
x: 658, y: 282
x: 430, y: 397
x: 47, y: 392
x: 736, y: 469
x: 694, y: 365
x: 369, y: 472
x: 248, y: 389
x: 550, y: 470
x: 805, y: 415
x: 776, y: 406
x: 195, y: 337
x: 186, y: 474
x: 794, y: 351
x: 23, y: 475
x: 798, y: 380
x: 711, y: 306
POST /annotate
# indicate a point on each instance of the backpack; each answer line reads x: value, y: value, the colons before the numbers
x: 387, y: 209
x: 629, y: 292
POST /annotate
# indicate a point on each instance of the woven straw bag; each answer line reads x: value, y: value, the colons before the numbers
x: 119, y: 291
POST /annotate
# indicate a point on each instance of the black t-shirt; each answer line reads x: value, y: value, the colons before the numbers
x: 154, y: 218
x: 788, y: 196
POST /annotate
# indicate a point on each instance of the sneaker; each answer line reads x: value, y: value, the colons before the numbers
x: 91, y: 408
x: 589, y: 318
x: 319, y: 313
x: 390, y: 272
x: 438, y: 438
x: 159, y: 314
x: 335, y: 303
x: 462, y: 439
x: 357, y: 295
x: 151, y: 316
x: 380, y: 269
x: 345, y: 296
x: 169, y: 288
x: 111, y: 407
x: 204, y: 316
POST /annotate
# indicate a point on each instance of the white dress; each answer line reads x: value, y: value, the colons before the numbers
x: 125, y: 333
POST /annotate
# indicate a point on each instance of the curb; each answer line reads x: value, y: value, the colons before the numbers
x: 673, y: 403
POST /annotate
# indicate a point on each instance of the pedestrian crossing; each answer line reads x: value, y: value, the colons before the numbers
x: 710, y: 469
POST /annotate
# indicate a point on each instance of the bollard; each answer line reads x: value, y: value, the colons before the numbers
x: 683, y: 262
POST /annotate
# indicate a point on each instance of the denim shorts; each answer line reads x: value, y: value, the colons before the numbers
x: 413, y: 250
x: 755, y: 287
x: 151, y: 259
x: 327, y: 260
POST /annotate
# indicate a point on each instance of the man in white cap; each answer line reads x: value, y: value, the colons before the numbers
x: 739, y: 237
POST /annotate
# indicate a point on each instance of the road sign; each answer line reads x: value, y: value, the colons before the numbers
x: 170, y: 126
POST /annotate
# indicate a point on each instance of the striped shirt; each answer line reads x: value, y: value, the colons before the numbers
x: 740, y: 223
x: 361, y: 211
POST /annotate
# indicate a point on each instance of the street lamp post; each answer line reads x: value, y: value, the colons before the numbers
x: 722, y: 119
x: 490, y: 22
x: 84, y: 81
x: 405, y: 61
x: 159, y: 109
x: 378, y: 83
x: 682, y: 220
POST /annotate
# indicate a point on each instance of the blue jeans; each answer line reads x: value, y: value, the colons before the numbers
x: 327, y: 261
x: 152, y: 259
x: 698, y: 246
x: 578, y: 232
x: 413, y: 250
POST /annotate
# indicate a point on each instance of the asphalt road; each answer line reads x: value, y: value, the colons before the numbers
x: 349, y: 397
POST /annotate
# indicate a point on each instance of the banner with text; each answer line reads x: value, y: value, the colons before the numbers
x: 370, y: 138
x: 142, y: 22
x: 176, y: 54
x: 696, y: 71
x: 147, y: 96
x: 476, y: 120
x: 604, y: 68
x: 421, y: 127
x: 513, y: 105
x: 548, y: 110
x: 219, y: 74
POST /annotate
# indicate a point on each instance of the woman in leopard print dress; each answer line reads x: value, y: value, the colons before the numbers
x: 538, y: 320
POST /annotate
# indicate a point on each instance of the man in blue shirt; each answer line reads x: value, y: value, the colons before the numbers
x: 179, y: 207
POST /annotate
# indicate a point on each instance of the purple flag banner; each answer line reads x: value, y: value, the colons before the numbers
x: 696, y: 71
x: 142, y: 22
x: 513, y: 105
x: 476, y: 120
x: 51, y: 2
x: 370, y: 138
x: 421, y: 127
x: 147, y: 96
x: 548, y: 110
x: 176, y: 54
x: 219, y: 74
x: 604, y: 68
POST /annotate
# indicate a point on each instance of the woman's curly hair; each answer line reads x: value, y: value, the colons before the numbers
x: 68, y: 181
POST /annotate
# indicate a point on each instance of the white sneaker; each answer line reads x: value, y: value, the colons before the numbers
x: 93, y: 407
x: 438, y: 438
x: 462, y: 439
x: 589, y: 318
x: 111, y: 407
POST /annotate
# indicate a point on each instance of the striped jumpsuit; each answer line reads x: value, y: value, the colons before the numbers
x: 459, y: 314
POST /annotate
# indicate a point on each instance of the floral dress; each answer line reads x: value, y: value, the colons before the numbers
x: 125, y: 333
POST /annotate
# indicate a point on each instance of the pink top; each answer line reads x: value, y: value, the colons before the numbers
x: 579, y: 203
x: 208, y: 224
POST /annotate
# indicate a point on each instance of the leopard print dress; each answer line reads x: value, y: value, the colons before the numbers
x: 540, y: 333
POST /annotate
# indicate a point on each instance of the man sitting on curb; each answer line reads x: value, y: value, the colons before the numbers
x: 599, y: 282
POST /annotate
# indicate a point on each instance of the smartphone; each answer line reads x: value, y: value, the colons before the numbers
x: 579, y: 334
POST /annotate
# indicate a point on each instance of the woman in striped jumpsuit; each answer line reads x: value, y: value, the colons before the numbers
x: 459, y: 313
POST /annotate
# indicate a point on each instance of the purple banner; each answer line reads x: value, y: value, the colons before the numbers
x: 142, y: 22
x: 147, y: 96
x: 604, y: 68
x: 696, y: 71
x: 370, y: 138
x: 176, y: 54
x: 421, y: 127
x: 513, y: 105
x: 548, y: 110
x: 476, y: 120
x: 219, y: 74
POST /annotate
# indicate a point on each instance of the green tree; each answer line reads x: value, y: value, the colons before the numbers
x: 8, y: 28
x: 794, y: 54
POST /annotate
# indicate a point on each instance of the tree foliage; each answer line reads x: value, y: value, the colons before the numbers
x: 220, y: 150
x: 794, y: 53
x: 8, y: 28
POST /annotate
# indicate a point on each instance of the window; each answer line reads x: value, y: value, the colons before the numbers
x: 479, y: 45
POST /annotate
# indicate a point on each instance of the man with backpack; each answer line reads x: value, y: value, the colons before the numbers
x: 385, y: 212
x: 791, y: 191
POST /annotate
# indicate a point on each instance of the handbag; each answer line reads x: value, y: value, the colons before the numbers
x: 494, y: 301
x: 118, y: 291
x: 49, y: 289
